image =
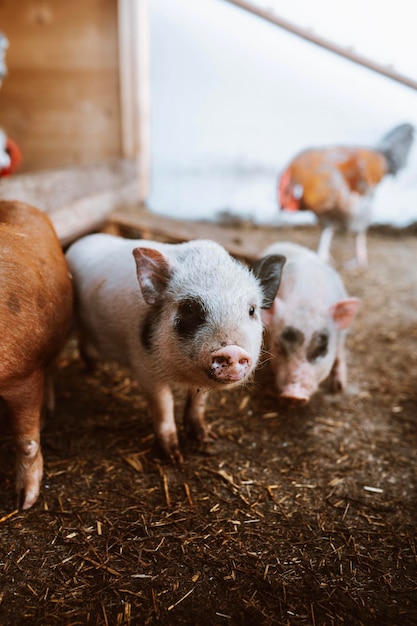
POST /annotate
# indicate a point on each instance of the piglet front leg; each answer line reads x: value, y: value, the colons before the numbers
x: 194, y: 421
x: 161, y: 402
x: 24, y: 401
x: 338, y: 374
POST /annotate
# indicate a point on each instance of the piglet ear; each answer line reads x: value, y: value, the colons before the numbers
x: 344, y: 311
x: 268, y: 270
x: 154, y: 271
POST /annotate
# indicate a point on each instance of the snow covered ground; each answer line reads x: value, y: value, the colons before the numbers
x: 234, y: 98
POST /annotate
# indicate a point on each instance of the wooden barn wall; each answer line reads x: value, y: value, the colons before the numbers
x: 60, y: 99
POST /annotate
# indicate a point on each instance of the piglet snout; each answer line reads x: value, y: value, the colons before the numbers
x: 295, y: 393
x: 230, y: 364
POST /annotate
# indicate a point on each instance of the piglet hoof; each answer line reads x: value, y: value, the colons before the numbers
x: 199, y: 431
x: 170, y: 448
x: 176, y: 457
x: 90, y: 364
x: 208, y: 436
x: 336, y: 385
x: 202, y: 435
x: 338, y: 377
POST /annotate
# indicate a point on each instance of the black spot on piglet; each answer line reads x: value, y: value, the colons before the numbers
x: 291, y: 339
x: 319, y: 345
x: 191, y: 315
x: 149, y: 326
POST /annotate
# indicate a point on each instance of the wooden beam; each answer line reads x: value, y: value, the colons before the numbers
x: 60, y: 100
x: 50, y: 189
x: 126, y: 77
x: 143, y: 94
x: 135, y: 92
x: 78, y: 200
x: 143, y: 224
x: 347, y: 53
x: 89, y: 213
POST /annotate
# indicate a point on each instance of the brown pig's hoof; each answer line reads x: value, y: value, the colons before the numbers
x: 28, y: 481
x: 27, y: 498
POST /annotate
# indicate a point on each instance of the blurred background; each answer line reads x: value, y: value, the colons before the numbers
x: 235, y: 97
x: 212, y: 100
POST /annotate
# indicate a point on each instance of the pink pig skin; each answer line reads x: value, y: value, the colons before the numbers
x: 307, y: 324
x: 186, y: 315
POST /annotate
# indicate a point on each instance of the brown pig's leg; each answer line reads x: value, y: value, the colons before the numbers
x: 24, y: 400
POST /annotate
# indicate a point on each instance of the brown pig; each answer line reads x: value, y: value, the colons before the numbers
x: 35, y: 313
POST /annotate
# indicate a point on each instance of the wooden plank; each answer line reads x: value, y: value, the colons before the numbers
x: 69, y: 124
x: 307, y: 34
x: 143, y: 94
x: 60, y: 99
x: 140, y: 223
x: 78, y: 200
x: 89, y: 213
x: 242, y: 238
x: 51, y: 189
x: 58, y: 35
x: 127, y: 100
x: 135, y: 91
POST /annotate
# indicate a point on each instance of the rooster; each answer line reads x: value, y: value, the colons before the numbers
x: 10, y: 155
x: 337, y: 185
x: 4, y: 42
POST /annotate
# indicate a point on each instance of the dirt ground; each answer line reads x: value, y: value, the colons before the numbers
x: 293, y: 516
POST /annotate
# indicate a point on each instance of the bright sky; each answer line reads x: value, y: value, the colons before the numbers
x: 381, y: 30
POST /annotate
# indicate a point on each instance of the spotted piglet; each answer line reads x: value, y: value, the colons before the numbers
x: 176, y: 314
x: 307, y: 324
x: 35, y: 313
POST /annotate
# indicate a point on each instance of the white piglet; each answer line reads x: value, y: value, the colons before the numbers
x: 176, y: 314
x: 307, y: 324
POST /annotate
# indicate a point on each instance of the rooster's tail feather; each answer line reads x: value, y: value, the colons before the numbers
x: 396, y: 145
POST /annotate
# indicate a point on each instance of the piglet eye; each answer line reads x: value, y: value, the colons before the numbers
x: 252, y: 311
